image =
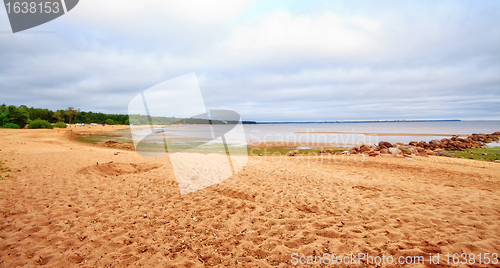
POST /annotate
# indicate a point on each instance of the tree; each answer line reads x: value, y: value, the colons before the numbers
x: 58, y: 116
x: 110, y: 121
x: 72, y: 113
x: 134, y: 121
x: 14, y: 115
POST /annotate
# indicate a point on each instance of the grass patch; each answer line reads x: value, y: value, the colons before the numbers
x: 121, y: 136
x: 483, y: 153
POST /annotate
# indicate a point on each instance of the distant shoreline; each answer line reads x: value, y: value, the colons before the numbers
x: 365, y: 121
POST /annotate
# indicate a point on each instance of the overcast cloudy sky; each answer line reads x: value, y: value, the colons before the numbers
x: 267, y: 60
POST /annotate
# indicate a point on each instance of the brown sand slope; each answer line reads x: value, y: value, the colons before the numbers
x: 59, y: 208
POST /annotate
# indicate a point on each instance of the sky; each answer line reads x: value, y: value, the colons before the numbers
x: 267, y: 60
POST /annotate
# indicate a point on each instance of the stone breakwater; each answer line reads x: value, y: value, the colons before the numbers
x: 434, y: 147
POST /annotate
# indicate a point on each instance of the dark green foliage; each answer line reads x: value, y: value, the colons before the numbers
x: 60, y: 125
x: 134, y: 121
x: 39, y: 123
x: 22, y: 114
x: 110, y: 121
x: 10, y: 125
x: 14, y: 115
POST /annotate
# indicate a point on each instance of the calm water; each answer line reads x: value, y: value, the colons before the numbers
x: 346, y: 134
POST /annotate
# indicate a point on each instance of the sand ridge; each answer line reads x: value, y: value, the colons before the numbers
x: 59, y: 208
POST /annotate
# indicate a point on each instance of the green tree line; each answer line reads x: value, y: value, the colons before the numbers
x: 18, y: 117
x: 22, y: 115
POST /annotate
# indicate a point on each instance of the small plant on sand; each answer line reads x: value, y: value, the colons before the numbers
x: 38, y: 123
x: 60, y: 125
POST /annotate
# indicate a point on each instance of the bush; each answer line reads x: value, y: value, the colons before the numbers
x: 134, y: 122
x: 60, y: 125
x: 38, y: 123
x: 127, y: 122
x: 10, y: 125
x: 110, y: 122
x: 14, y: 115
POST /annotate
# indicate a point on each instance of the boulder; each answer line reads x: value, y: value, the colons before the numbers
x: 430, y: 152
x: 384, y: 151
x: 395, y: 151
x: 404, y: 149
x: 435, y: 142
x: 373, y: 154
x: 385, y: 143
x: 364, y: 148
x: 293, y: 153
x: 420, y: 150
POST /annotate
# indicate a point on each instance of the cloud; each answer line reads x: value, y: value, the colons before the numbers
x: 322, y: 62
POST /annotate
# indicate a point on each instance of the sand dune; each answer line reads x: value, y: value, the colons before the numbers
x: 69, y: 204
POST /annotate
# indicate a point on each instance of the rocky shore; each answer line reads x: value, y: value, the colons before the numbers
x: 434, y: 147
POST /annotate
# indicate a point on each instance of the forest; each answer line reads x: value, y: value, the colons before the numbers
x: 19, y: 116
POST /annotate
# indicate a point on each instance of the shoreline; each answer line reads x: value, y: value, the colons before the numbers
x: 312, y: 145
x: 387, y: 134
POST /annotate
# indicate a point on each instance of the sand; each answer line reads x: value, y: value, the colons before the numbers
x: 67, y: 204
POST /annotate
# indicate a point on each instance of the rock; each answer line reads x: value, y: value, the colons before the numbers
x: 293, y: 153
x: 435, y: 142
x: 404, y: 149
x: 329, y: 151
x: 384, y: 151
x: 420, y: 150
x: 373, y: 153
x: 364, y: 148
x: 413, y: 143
x: 444, y: 153
x: 395, y: 151
x: 385, y: 143
x: 430, y: 152
x: 382, y: 147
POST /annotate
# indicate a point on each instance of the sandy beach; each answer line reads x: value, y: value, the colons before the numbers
x: 68, y: 204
